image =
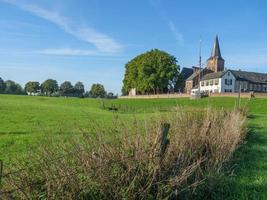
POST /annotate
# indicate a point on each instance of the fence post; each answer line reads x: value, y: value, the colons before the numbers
x: 164, y: 141
x: 1, y: 171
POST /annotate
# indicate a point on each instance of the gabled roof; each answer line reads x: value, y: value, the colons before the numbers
x: 213, y: 75
x: 194, y: 75
x: 253, y: 77
x: 186, y: 72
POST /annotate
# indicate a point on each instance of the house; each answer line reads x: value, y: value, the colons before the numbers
x: 234, y: 81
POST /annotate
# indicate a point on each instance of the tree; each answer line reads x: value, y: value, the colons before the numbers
x: 32, y: 87
x: 79, y: 89
x: 152, y: 72
x: 13, y: 88
x: 49, y: 87
x: 97, y: 90
x: 2, y: 85
x: 66, y: 88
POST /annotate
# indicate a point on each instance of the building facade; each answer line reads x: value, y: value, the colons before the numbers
x: 234, y: 81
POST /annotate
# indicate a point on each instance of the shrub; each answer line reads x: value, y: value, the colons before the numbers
x: 127, y: 160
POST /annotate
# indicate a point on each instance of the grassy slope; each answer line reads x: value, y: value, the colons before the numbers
x: 25, y: 121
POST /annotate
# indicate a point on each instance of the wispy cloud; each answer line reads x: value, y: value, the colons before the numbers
x: 68, y: 52
x: 101, y: 41
x: 178, y: 35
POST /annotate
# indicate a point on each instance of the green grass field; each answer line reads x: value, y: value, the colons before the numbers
x: 28, y: 121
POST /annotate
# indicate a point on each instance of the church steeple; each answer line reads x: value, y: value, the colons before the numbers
x: 216, y: 52
x: 216, y: 62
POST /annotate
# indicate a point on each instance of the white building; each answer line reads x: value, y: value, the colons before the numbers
x: 232, y: 81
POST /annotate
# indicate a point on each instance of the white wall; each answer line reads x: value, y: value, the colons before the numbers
x: 228, y: 75
x: 211, y: 88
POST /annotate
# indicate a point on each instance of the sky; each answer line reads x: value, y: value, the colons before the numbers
x: 92, y: 40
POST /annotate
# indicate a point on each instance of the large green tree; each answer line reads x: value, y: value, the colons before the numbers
x: 32, y: 87
x: 97, y: 90
x: 49, y: 86
x: 152, y: 72
x: 66, y: 88
x: 2, y: 85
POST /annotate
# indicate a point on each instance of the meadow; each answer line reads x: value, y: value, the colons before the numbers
x: 26, y: 122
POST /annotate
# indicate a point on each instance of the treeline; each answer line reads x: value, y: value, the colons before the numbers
x: 50, y: 87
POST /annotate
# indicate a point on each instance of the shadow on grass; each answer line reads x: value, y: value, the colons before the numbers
x: 248, y: 178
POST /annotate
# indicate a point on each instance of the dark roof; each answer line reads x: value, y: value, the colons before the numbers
x: 253, y: 77
x: 203, y: 71
x: 186, y: 72
x: 216, y: 52
x: 213, y: 75
x: 194, y: 75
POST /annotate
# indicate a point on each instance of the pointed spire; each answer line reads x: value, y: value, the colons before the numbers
x: 216, y: 52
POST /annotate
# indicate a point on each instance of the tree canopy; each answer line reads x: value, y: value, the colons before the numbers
x: 66, y: 88
x: 151, y: 72
x: 32, y: 87
x: 49, y: 86
x: 2, y: 85
x: 79, y: 89
x: 97, y: 90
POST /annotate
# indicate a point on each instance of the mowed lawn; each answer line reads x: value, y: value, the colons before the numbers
x: 26, y: 122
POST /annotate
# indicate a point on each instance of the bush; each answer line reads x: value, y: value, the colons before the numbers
x: 127, y: 160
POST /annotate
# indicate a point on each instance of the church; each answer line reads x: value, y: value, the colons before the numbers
x: 214, y: 78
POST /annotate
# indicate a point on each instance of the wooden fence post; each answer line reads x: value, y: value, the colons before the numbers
x: 164, y: 141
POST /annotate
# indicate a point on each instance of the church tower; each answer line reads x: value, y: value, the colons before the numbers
x: 216, y: 62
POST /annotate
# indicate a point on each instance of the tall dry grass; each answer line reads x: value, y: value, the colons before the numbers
x: 126, y: 161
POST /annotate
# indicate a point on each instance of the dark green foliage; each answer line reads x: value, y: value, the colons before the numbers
x: 66, y: 89
x: 152, y: 72
x: 49, y: 87
x: 32, y: 87
x: 13, y: 88
x: 2, y: 85
x: 97, y: 90
x: 79, y: 89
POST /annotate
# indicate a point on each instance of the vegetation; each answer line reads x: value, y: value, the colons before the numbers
x: 134, y: 164
x: 29, y: 123
x: 32, y: 87
x: 152, y: 72
x: 97, y: 90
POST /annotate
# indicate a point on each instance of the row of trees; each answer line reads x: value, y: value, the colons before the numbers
x: 51, y: 87
x: 10, y: 87
x: 152, y: 72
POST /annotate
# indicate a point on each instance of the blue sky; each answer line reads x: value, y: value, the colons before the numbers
x: 91, y: 40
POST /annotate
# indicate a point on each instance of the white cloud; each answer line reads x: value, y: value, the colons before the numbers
x: 178, y: 35
x: 101, y: 41
x: 68, y: 52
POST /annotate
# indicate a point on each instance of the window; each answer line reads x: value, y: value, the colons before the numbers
x: 216, y: 81
x: 202, y: 83
x: 228, y: 73
x: 227, y: 90
x: 228, y: 81
x: 211, y: 82
x: 207, y: 83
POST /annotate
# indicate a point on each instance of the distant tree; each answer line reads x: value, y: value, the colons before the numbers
x: 110, y: 95
x: 2, y: 85
x: 97, y: 90
x: 49, y: 87
x: 79, y: 89
x: 32, y: 87
x: 13, y: 88
x: 152, y: 72
x: 66, y: 89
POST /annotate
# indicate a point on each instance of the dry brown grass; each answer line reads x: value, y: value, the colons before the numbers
x: 126, y: 161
